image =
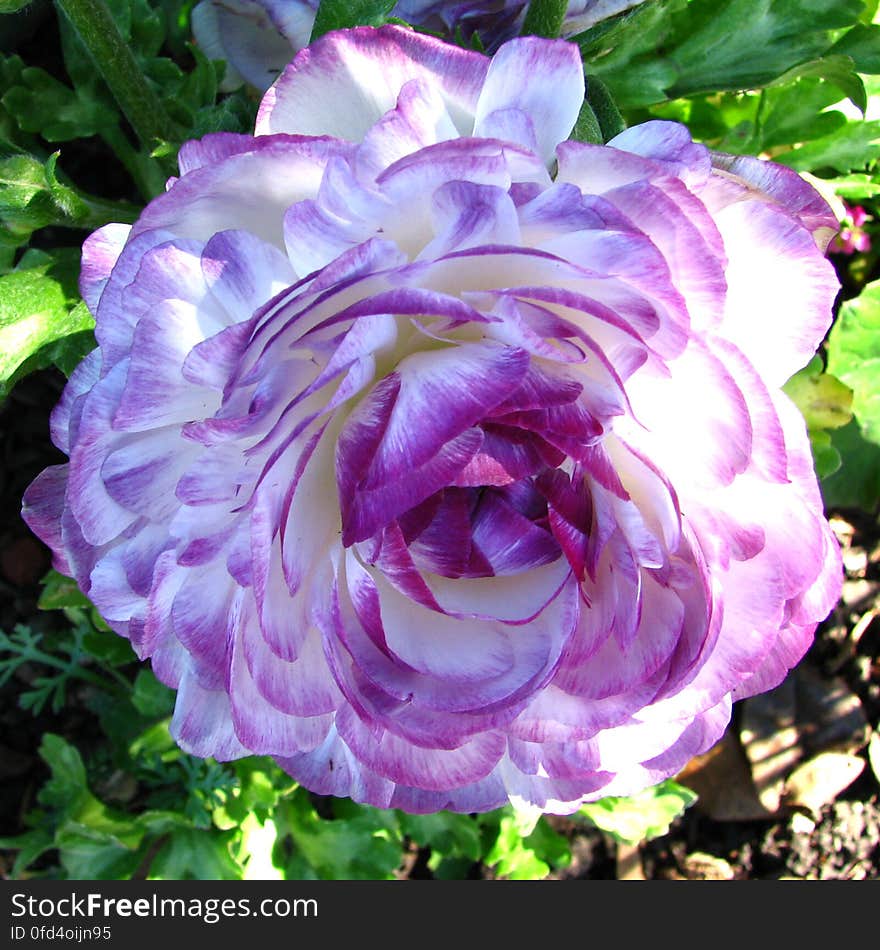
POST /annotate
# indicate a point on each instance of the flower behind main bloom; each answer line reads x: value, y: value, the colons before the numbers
x: 439, y: 457
x: 259, y: 37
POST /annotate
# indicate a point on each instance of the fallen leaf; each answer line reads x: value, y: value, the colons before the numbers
x: 819, y: 781
x: 723, y: 783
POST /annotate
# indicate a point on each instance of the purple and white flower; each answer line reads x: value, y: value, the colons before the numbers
x: 441, y: 458
x: 258, y: 38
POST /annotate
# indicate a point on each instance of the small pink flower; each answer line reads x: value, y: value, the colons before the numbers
x: 853, y: 238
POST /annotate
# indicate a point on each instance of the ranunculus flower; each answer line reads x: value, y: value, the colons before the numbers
x: 259, y: 37
x: 439, y: 457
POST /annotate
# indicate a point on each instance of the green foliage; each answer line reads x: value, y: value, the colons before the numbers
x: 41, y: 323
x: 673, y: 48
x: 854, y: 356
x: 640, y: 817
x: 826, y: 404
x: 544, y: 18
x: 525, y: 846
x: 856, y: 484
x: 340, y: 14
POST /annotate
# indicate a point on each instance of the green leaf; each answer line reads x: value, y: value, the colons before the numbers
x: 743, y: 44
x: 856, y: 187
x: 848, y: 149
x: 447, y: 834
x: 515, y: 857
x: 46, y: 106
x: 838, y: 70
x: 339, y: 14
x: 795, y: 113
x: 150, y: 697
x: 640, y: 817
x: 13, y: 6
x: 190, y: 854
x: 39, y: 322
x: 30, y: 846
x: 604, y: 109
x: 856, y: 484
x: 59, y: 592
x: 31, y: 196
x: 862, y: 45
x: 360, y: 845
x: 586, y: 128
x: 826, y: 458
x: 544, y: 18
x: 824, y: 401
x: 66, y: 790
x: 156, y: 740
x: 854, y: 356
x: 672, y: 48
x: 89, y: 853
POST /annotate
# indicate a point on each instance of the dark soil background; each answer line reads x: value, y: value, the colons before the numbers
x: 792, y: 791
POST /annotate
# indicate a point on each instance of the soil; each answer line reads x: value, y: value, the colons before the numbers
x: 789, y: 793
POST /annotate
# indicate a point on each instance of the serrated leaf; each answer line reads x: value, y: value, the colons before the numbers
x: 66, y: 790
x: 511, y: 855
x: 30, y: 846
x: 93, y: 854
x: 38, y: 314
x: 46, y: 106
x: 447, y: 834
x: 640, y: 817
x: 190, y: 854
x: 359, y: 846
x: 340, y: 14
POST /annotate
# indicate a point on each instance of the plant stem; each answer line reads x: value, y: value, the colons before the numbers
x: 93, y: 23
x: 38, y: 656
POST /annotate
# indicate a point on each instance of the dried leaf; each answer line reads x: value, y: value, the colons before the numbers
x: 819, y: 781
x: 723, y: 783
